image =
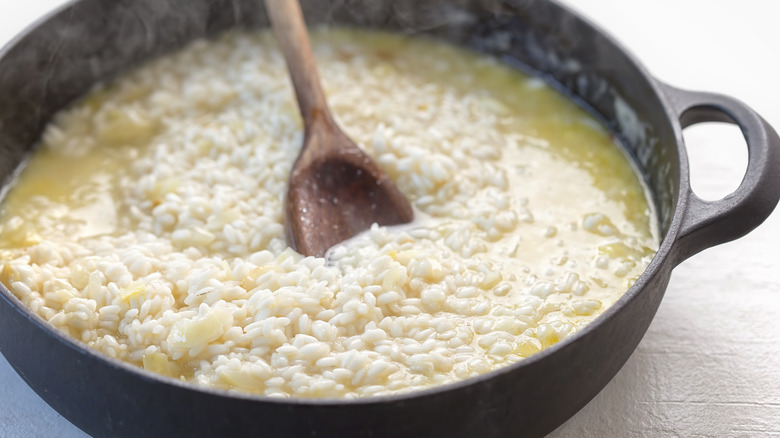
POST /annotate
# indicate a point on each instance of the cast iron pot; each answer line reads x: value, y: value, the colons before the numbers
x: 89, y: 41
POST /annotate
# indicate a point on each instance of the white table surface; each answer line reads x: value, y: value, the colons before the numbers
x: 709, y: 365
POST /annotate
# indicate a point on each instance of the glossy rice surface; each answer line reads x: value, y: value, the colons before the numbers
x: 149, y: 223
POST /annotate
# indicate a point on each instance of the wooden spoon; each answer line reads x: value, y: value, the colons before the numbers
x: 335, y: 190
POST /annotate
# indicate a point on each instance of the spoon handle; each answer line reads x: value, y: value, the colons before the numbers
x: 290, y: 30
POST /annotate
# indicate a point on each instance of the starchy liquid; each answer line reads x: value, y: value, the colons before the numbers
x: 149, y: 222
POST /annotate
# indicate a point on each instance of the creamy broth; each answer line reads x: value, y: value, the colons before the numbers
x: 149, y: 222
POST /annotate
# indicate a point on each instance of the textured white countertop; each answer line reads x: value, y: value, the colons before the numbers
x: 710, y: 364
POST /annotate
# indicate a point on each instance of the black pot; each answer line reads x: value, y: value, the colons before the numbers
x: 88, y: 41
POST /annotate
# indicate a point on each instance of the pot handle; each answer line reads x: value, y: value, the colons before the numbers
x: 708, y: 223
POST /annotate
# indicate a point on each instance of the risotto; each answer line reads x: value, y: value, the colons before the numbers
x: 149, y: 223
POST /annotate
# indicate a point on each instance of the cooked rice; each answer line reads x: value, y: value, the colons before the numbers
x: 164, y: 245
